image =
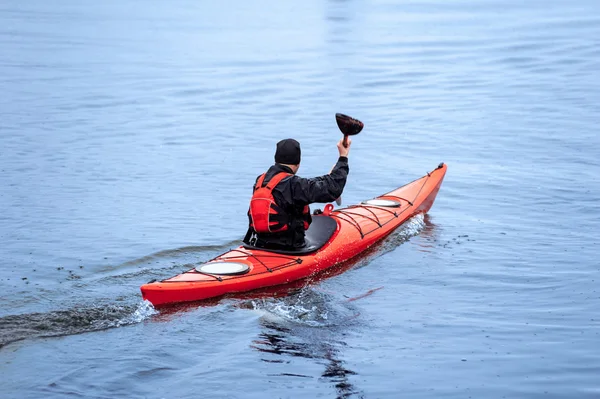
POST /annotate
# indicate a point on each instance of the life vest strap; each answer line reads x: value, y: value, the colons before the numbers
x: 271, y: 184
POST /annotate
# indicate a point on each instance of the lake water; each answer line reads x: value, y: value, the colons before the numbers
x: 131, y: 133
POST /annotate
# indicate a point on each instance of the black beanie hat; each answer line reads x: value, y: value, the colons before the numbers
x: 288, y: 152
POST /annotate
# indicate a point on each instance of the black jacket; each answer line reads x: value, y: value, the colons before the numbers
x: 292, y: 194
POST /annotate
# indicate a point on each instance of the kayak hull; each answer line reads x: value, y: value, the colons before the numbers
x: 358, y: 228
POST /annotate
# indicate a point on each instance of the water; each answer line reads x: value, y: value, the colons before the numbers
x: 130, y: 133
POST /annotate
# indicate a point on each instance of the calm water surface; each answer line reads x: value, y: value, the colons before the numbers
x: 130, y: 133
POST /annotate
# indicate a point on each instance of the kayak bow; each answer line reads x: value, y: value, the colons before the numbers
x: 334, y: 237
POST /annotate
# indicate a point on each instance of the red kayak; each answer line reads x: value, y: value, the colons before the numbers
x: 334, y: 237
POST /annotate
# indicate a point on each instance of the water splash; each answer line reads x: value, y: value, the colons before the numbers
x: 292, y: 312
x: 143, y: 311
x: 409, y: 229
x: 309, y: 307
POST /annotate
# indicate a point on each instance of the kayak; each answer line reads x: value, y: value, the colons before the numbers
x: 334, y: 237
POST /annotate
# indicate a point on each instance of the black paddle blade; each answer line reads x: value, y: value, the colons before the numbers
x: 348, y: 125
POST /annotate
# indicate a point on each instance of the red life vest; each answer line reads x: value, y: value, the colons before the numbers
x: 265, y: 215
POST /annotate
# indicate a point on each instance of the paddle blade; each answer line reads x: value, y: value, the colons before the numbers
x: 348, y: 125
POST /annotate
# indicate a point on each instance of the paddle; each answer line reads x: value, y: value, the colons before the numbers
x: 350, y: 127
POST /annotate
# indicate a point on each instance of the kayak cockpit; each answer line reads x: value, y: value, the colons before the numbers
x: 318, y: 234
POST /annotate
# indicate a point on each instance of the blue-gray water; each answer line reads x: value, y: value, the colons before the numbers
x: 130, y: 135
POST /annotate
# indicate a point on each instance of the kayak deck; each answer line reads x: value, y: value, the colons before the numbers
x: 358, y: 228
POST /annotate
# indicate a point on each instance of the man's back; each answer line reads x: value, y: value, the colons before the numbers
x: 293, y: 195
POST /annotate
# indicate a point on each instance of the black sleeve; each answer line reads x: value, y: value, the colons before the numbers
x: 325, y: 188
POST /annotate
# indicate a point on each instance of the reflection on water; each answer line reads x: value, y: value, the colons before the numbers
x: 307, y: 325
x: 281, y: 341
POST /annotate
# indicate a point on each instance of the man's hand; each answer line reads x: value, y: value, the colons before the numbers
x: 344, y: 150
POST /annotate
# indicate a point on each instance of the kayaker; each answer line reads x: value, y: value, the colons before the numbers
x: 279, y: 212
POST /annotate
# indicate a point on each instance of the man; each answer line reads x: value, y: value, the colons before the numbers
x: 279, y: 214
